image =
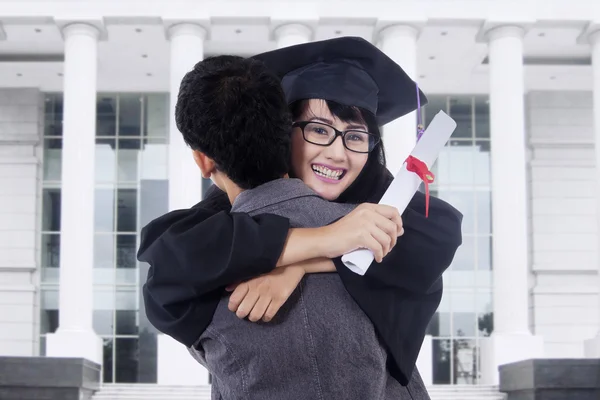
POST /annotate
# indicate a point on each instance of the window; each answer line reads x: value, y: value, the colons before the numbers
x: 130, y: 189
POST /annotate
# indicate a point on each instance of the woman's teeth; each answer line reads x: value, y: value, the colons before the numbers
x: 326, y: 172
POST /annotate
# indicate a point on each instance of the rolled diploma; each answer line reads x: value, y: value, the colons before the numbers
x: 406, y: 183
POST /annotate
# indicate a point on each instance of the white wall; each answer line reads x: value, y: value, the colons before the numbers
x: 564, y: 224
x: 21, y: 112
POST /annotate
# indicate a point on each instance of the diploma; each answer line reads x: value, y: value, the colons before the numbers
x: 406, y: 183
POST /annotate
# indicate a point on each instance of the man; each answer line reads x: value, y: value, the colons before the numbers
x: 233, y: 114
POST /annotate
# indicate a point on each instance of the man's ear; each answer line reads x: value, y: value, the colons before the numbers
x: 205, y: 163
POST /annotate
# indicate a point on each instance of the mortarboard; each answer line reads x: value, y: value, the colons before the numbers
x: 347, y: 70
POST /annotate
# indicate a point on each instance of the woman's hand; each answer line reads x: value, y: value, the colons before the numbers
x: 369, y: 226
x: 261, y: 297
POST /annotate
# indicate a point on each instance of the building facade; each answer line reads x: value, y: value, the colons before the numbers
x: 89, y: 153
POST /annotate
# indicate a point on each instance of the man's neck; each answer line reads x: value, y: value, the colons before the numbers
x: 233, y: 190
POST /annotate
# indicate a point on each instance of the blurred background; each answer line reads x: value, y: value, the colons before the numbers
x: 517, y: 77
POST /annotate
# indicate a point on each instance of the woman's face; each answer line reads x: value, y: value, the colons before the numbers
x: 328, y: 170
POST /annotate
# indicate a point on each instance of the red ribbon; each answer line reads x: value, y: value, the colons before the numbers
x: 420, y: 168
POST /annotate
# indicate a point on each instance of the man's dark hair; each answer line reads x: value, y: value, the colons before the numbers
x: 233, y: 109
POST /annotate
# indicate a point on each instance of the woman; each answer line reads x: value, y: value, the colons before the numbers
x: 347, y: 82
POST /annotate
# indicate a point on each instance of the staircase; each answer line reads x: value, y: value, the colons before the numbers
x: 141, y: 391
x: 465, y: 392
x: 163, y: 392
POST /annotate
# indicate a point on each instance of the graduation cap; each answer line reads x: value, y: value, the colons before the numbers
x: 349, y: 71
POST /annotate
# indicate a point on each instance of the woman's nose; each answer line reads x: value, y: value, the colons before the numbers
x: 336, y: 150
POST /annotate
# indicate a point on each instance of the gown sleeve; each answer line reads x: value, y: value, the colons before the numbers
x: 193, y: 254
x: 426, y: 249
x: 402, y: 293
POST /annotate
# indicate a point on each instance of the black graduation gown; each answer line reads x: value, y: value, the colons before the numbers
x: 194, y: 253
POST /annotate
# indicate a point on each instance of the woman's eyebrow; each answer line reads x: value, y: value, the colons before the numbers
x: 357, y: 127
x: 330, y: 122
x: 327, y: 121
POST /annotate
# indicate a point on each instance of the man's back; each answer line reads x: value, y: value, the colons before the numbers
x: 304, y: 352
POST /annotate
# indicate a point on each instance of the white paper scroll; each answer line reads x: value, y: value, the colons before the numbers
x: 405, y: 184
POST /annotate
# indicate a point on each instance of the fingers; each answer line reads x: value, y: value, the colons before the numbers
x: 383, y: 239
x: 247, y: 304
x: 388, y: 227
x: 272, y: 310
x: 237, y: 296
x: 259, y: 309
x: 388, y: 212
x: 375, y: 246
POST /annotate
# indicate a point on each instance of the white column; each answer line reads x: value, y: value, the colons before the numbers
x: 592, y: 346
x: 185, y: 180
x: 511, y: 340
x: 75, y: 336
x: 292, y: 34
x: 399, y: 42
x: 185, y: 190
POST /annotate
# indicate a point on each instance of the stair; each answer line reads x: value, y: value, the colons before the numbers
x: 465, y: 392
x: 144, y: 391
x: 164, y: 392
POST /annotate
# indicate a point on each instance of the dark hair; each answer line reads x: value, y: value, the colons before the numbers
x: 233, y: 109
x: 373, y: 180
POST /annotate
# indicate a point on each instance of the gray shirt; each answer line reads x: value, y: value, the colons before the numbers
x: 320, y: 345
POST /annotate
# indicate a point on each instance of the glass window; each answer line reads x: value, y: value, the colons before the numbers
x: 156, y: 115
x: 53, y: 114
x: 484, y: 211
x: 461, y: 110
x: 485, y: 313
x: 130, y: 115
x: 50, y: 250
x: 484, y: 261
x: 128, y: 159
x: 455, y: 164
x: 107, y: 360
x: 127, y: 322
x: 484, y: 253
x: 154, y: 159
x: 463, y: 314
x: 51, y: 210
x: 127, y: 210
x: 481, y: 168
x: 49, y: 321
x: 106, y: 160
x: 106, y: 115
x: 52, y: 159
x: 126, y: 355
x: 126, y: 249
x: 465, y: 362
x: 482, y: 117
x: 464, y: 259
x: 49, y: 311
x: 464, y: 201
x: 104, y: 214
x: 435, y: 105
x: 103, y: 322
x: 104, y: 250
x: 441, y: 362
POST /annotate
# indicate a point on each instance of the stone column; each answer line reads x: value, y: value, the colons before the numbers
x: 185, y: 190
x: 185, y: 179
x: 75, y: 336
x: 511, y: 340
x: 292, y: 34
x: 592, y: 346
x: 399, y: 42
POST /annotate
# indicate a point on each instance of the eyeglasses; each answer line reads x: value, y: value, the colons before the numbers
x: 324, y: 135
